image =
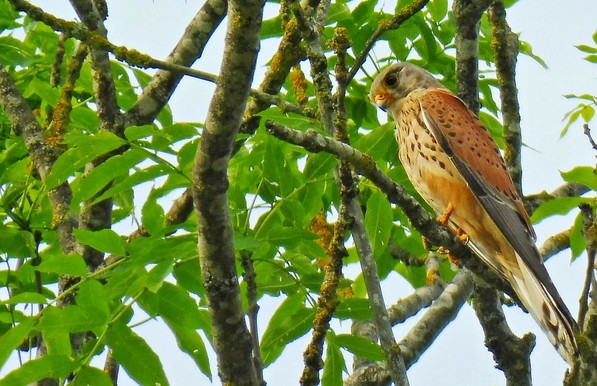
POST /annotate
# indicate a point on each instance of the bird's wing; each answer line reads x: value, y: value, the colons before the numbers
x: 476, y: 156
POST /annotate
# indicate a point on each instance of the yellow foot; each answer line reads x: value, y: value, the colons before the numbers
x: 426, y: 244
x: 462, y: 236
x: 445, y: 218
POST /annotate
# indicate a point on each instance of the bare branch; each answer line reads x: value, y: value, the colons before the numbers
x: 232, y: 341
x: 43, y: 155
x: 587, y: 131
x: 188, y: 49
x: 555, y: 244
x: 467, y: 14
x: 511, y: 354
x: 249, y: 276
x: 569, y: 189
x: 420, y: 337
x: 505, y: 46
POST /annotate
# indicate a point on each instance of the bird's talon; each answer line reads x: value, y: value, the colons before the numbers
x: 426, y: 244
x: 445, y: 218
x: 454, y: 260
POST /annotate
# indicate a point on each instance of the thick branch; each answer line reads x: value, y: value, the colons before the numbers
x: 467, y: 14
x: 505, y: 46
x: 420, y: 337
x: 43, y: 155
x: 511, y: 354
x: 232, y: 341
x: 532, y: 202
x: 188, y: 49
x: 104, y: 87
x: 328, y: 300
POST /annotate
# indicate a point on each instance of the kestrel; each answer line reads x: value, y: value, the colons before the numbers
x: 455, y: 165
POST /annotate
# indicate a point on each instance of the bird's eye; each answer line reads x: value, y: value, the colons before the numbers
x: 391, y: 80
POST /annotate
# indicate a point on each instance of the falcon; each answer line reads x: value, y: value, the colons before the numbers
x: 457, y: 168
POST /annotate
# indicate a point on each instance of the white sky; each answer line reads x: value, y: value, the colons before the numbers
x: 458, y: 357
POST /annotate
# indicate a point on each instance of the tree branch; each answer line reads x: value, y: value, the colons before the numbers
x: 420, y: 337
x: 405, y: 13
x: 569, y: 189
x: 189, y: 48
x: 232, y: 341
x: 327, y: 301
x: 467, y: 14
x: 505, y: 45
x: 511, y: 354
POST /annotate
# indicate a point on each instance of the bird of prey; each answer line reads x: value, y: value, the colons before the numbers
x: 455, y: 165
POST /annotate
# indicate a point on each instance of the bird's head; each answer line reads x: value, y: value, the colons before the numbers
x: 397, y: 81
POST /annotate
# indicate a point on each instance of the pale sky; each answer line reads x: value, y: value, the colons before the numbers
x: 458, y: 357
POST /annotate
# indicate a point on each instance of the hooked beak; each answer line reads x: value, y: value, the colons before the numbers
x: 382, y: 100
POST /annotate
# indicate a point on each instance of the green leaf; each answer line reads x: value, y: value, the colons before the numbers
x: 319, y: 164
x: 438, y: 9
x: 578, y: 243
x: 188, y: 276
x: 277, y: 167
x: 133, y: 133
x: 74, y: 318
x: 15, y: 242
x: 527, y: 49
x: 354, y: 308
x: 584, y: 175
x: 587, y: 49
x: 191, y: 343
x: 91, y: 376
x: 13, y: 338
x: 148, y: 174
x: 572, y: 118
x: 57, y: 341
x: 85, y: 149
x: 104, y: 240
x: 136, y: 357
x: 378, y: 222
x: 54, y: 261
x: 290, y: 321
x: 152, y: 216
x: 587, y: 112
x: 174, y: 304
x: 360, y: 346
x: 560, y: 205
x: 48, y: 366
x: 91, y: 295
x: 271, y: 28
x: 26, y: 297
x: 14, y: 52
x: 333, y: 364
x: 90, y: 184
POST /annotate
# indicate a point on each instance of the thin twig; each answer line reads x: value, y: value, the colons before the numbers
x: 405, y: 13
x: 587, y: 131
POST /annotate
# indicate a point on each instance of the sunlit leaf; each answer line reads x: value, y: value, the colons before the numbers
x: 105, y: 240
x: 144, y: 366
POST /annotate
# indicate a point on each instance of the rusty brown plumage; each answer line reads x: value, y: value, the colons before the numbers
x: 454, y: 162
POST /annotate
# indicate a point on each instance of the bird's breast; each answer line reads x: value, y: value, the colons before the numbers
x: 430, y: 170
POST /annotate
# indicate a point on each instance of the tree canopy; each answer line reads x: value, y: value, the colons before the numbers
x: 115, y: 213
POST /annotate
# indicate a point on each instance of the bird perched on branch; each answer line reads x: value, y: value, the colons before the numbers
x: 455, y: 165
